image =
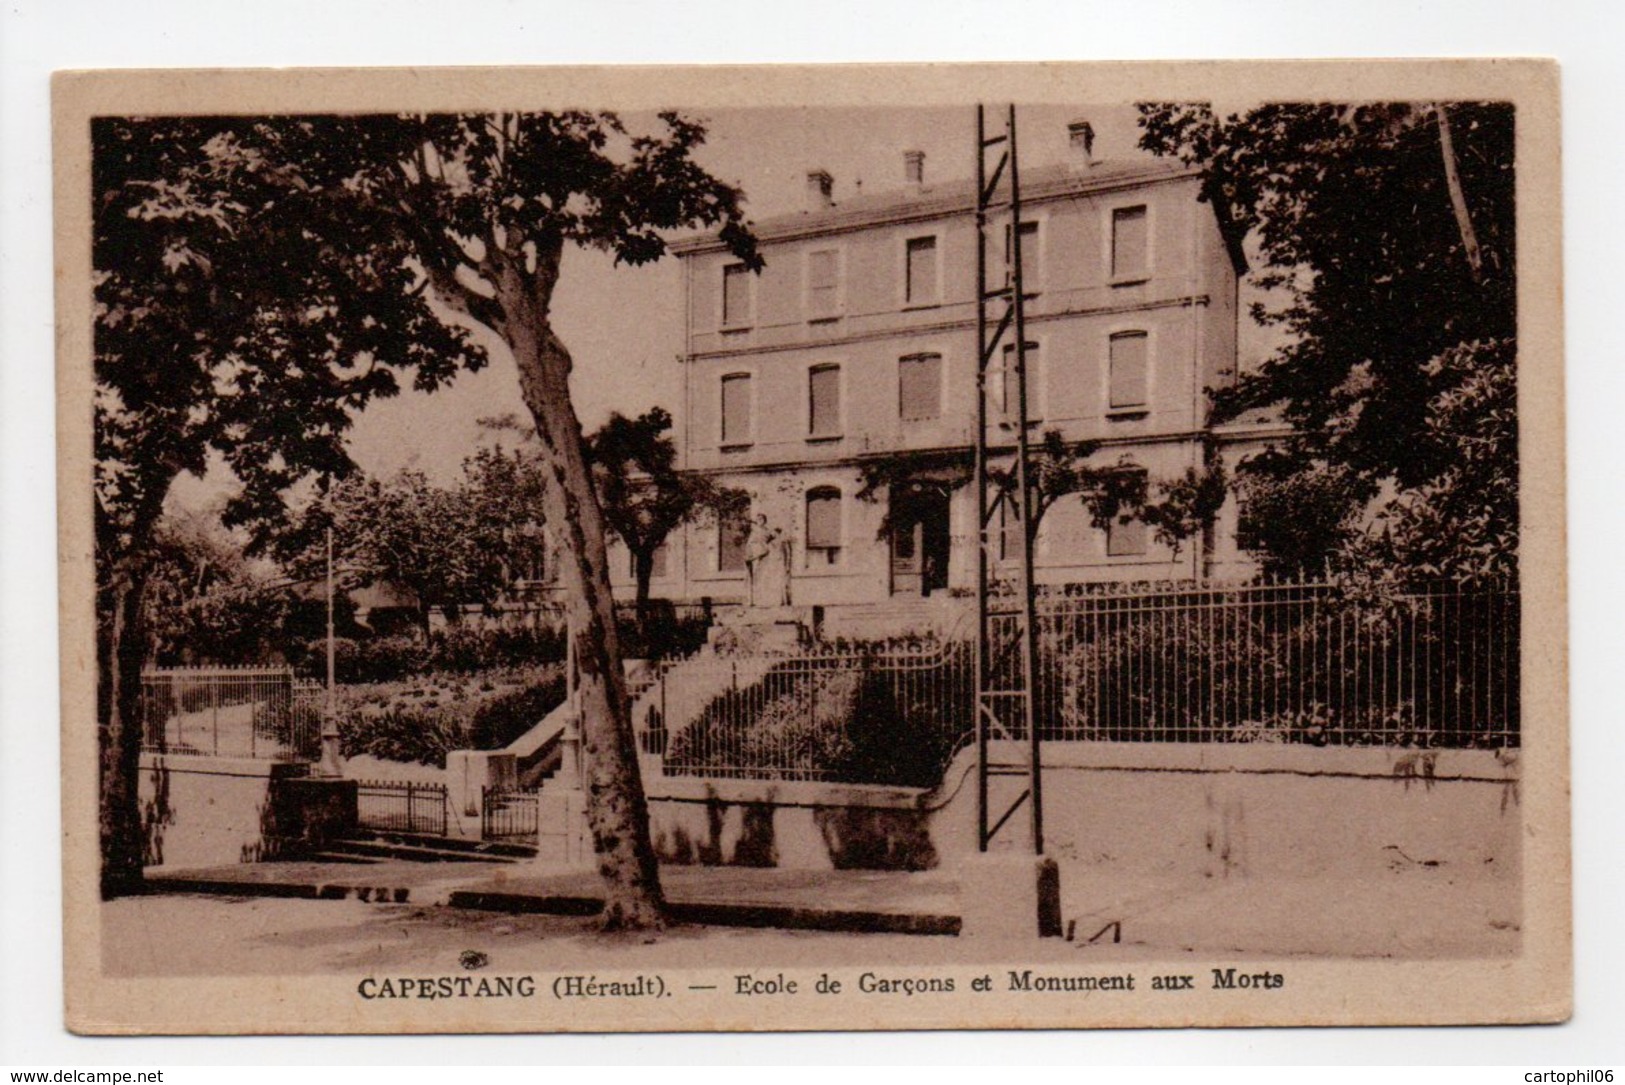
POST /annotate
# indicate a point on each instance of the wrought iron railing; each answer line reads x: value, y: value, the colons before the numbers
x: 509, y: 813
x: 1434, y: 666
x: 258, y: 712
x: 401, y: 806
x: 1316, y: 664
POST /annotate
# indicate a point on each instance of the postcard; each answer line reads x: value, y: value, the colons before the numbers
x: 847, y: 547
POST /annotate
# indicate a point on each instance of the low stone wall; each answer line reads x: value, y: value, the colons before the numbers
x: 208, y: 811
x: 1273, y: 810
x: 1152, y: 809
x: 204, y: 811
x: 794, y: 824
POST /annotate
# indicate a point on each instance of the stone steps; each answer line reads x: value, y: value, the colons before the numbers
x: 413, y: 847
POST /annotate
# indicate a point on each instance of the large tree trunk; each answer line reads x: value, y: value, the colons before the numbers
x: 120, y: 652
x: 617, y: 811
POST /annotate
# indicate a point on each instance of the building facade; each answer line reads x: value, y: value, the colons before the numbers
x: 857, y: 343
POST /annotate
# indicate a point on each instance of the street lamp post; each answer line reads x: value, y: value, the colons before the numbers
x: 331, y: 765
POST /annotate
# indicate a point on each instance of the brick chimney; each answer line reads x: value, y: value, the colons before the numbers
x: 914, y: 167
x: 819, y: 187
x: 1080, y: 134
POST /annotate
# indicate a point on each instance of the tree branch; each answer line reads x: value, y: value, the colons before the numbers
x: 1458, y: 200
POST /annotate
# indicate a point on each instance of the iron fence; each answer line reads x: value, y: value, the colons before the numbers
x: 258, y: 712
x: 889, y: 715
x: 1315, y: 664
x: 401, y: 806
x: 509, y: 813
x: 1435, y: 666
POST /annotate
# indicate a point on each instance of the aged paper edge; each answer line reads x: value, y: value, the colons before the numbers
x: 1535, y: 987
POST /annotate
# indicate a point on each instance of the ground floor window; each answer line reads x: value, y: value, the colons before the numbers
x: 823, y: 526
x: 657, y: 567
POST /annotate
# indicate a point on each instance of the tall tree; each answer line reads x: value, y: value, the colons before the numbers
x: 644, y: 497
x: 206, y: 600
x: 1388, y: 231
x: 484, y: 206
x: 221, y: 330
x: 442, y: 545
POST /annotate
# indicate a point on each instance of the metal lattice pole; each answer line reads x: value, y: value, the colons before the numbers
x: 1003, y: 691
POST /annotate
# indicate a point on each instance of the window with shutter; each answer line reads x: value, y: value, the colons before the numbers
x: 1009, y: 533
x: 824, y: 401
x: 1029, y: 258
x: 1128, y: 367
x: 1011, y: 390
x: 921, y: 288
x: 823, y: 284
x: 657, y: 564
x: 823, y: 526
x: 919, y: 387
x: 1129, y: 237
x: 736, y: 412
x: 735, y: 296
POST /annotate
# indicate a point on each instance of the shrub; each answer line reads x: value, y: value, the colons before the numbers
x: 1161, y: 676
x: 503, y: 717
x: 464, y: 650
x: 421, y: 718
x: 421, y: 735
x: 666, y: 635
x: 851, y: 721
x: 373, y: 659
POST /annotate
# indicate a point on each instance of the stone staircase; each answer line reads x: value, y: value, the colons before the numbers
x: 368, y: 846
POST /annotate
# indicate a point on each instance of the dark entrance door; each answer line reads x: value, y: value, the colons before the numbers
x: 919, y: 541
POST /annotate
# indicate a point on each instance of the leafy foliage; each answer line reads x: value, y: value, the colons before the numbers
x: 421, y: 719
x: 1057, y: 469
x: 866, y: 722
x: 1388, y: 232
x: 224, y: 283
x: 259, y: 279
x: 643, y: 495
x: 206, y: 602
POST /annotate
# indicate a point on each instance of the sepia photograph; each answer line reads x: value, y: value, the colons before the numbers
x: 950, y: 546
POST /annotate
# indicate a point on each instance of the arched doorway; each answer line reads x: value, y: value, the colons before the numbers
x: 919, y: 540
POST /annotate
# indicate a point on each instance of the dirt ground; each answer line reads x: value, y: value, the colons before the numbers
x: 1416, y: 913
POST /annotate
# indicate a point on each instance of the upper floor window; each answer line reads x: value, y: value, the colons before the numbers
x: 824, y: 401
x: 823, y: 526
x: 733, y: 532
x: 1030, y: 263
x: 735, y: 296
x: 921, y: 285
x: 736, y: 409
x: 919, y: 387
x: 1128, y: 366
x: 1011, y: 385
x: 823, y: 284
x: 1130, y: 239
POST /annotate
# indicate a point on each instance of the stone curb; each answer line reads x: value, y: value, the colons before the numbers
x: 785, y: 917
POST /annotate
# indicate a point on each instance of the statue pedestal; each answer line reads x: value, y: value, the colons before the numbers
x: 762, y: 630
